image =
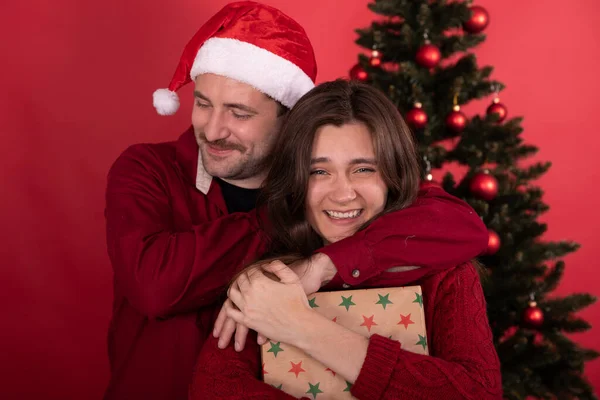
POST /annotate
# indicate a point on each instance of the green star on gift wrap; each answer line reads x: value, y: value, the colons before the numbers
x: 384, y: 300
x: 278, y: 387
x: 422, y: 341
x: 313, y: 303
x: 419, y: 299
x: 314, y: 389
x: 275, y: 348
x: 348, y: 386
x: 347, y: 302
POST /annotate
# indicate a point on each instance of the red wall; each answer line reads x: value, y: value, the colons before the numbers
x: 76, y: 90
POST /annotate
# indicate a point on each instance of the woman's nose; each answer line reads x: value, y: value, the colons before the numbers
x: 343, y: 190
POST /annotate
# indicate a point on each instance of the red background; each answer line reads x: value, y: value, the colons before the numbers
x: 76, y: 90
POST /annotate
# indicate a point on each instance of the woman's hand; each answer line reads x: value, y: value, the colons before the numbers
x: 274, y: 309
x: 312, y: 273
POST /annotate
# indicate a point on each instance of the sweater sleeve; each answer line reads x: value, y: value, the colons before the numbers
x: 437, y: 232
x: 225, y: 374
x: 163, y: 271
x: 463, y: 363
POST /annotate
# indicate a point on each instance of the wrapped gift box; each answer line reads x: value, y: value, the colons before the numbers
x: 396, y: 313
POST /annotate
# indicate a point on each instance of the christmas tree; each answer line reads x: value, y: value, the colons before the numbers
x: 419, y: 55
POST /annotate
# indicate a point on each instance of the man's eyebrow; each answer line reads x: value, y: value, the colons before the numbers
x: 242, y: 107
x: 201, y: 96
x: 238, y: 106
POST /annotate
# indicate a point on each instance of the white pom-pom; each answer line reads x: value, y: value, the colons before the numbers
x: 165, y: 101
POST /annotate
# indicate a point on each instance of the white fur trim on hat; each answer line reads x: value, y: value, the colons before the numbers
x: 273, y: 75
x: 165, y: 101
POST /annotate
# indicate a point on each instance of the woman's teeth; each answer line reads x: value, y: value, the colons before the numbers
x: 343, y: 215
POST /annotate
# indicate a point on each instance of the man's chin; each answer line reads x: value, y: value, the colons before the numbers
x: 217, y: 172
x: 219, y: 169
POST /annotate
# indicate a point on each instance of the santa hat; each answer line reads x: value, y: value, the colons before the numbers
x: 252, y: 43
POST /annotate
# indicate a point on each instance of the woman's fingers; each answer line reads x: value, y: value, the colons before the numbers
x: 221, y: 318
x: 241, y: 333
x: 237, y: 298
x: 261, y: 339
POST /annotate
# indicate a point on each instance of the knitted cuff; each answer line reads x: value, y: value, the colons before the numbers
x: 376, y: 372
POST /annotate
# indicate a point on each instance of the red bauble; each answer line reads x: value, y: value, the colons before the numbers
x: 358, y: 73
x: 533, y: 316
x: 416, y: 117
x: 456, y: 120
x: 479, y: 20
x: 498, y: 108
x: 428, y: 56
x: 509, y: 333
x: 484, y: 186
x: 375, y: 60
x: 493, y: 243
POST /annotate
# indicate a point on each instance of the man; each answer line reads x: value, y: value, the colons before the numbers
x: 181, y: 219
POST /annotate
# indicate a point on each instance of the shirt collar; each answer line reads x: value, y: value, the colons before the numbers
x: 203, y: 178
x: 190, y: 159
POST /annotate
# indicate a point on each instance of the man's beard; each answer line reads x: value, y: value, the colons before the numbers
x: 243, y: 168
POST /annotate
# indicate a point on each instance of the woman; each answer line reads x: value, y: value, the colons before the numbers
x: 347, y: 157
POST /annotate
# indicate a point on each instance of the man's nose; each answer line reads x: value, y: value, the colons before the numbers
x: 216, y: 128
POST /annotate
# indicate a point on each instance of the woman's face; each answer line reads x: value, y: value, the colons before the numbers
x: 345, y: 188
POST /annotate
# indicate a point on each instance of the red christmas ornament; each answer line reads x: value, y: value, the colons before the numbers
x: 428, y: 56
x: 484, y: 186
x: 375, y: 60
x: 416, y: 117
x: 479, y: 20
x: 456, y: 120
x: 358, y: 73
x: 510, y: 332
x: 498, y: 108
x: 533, y: 316
x: 493, y: 243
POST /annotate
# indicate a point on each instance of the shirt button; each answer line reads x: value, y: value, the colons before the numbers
x: 345, y: 286
x: 356, y: 273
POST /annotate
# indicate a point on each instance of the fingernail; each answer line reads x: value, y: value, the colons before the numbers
x: 237, y: 346
x: 220, y: 345
x: 215, y: 333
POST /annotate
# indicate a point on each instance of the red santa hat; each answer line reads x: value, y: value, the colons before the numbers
x: 251, y: 43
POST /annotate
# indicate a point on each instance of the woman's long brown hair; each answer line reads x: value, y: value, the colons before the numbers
x: 335, y: 103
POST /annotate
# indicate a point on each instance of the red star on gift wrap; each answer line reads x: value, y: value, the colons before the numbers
x: 263, y: 368
x: 368, y: 322
x: 334, y: 319
x: 332, y: 371
x: 296, y: 368
x: 405, y: 320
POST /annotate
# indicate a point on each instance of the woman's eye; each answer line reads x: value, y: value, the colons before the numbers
x: 201, y: 105
x: 318, y: 172
x: 365, y: 169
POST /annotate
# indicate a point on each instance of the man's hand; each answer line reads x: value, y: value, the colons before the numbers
x: 313, y: 273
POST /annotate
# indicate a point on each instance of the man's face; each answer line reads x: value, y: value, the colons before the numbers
x: 235, y: 126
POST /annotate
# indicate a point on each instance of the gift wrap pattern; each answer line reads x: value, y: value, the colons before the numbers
x: 396, y: 313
